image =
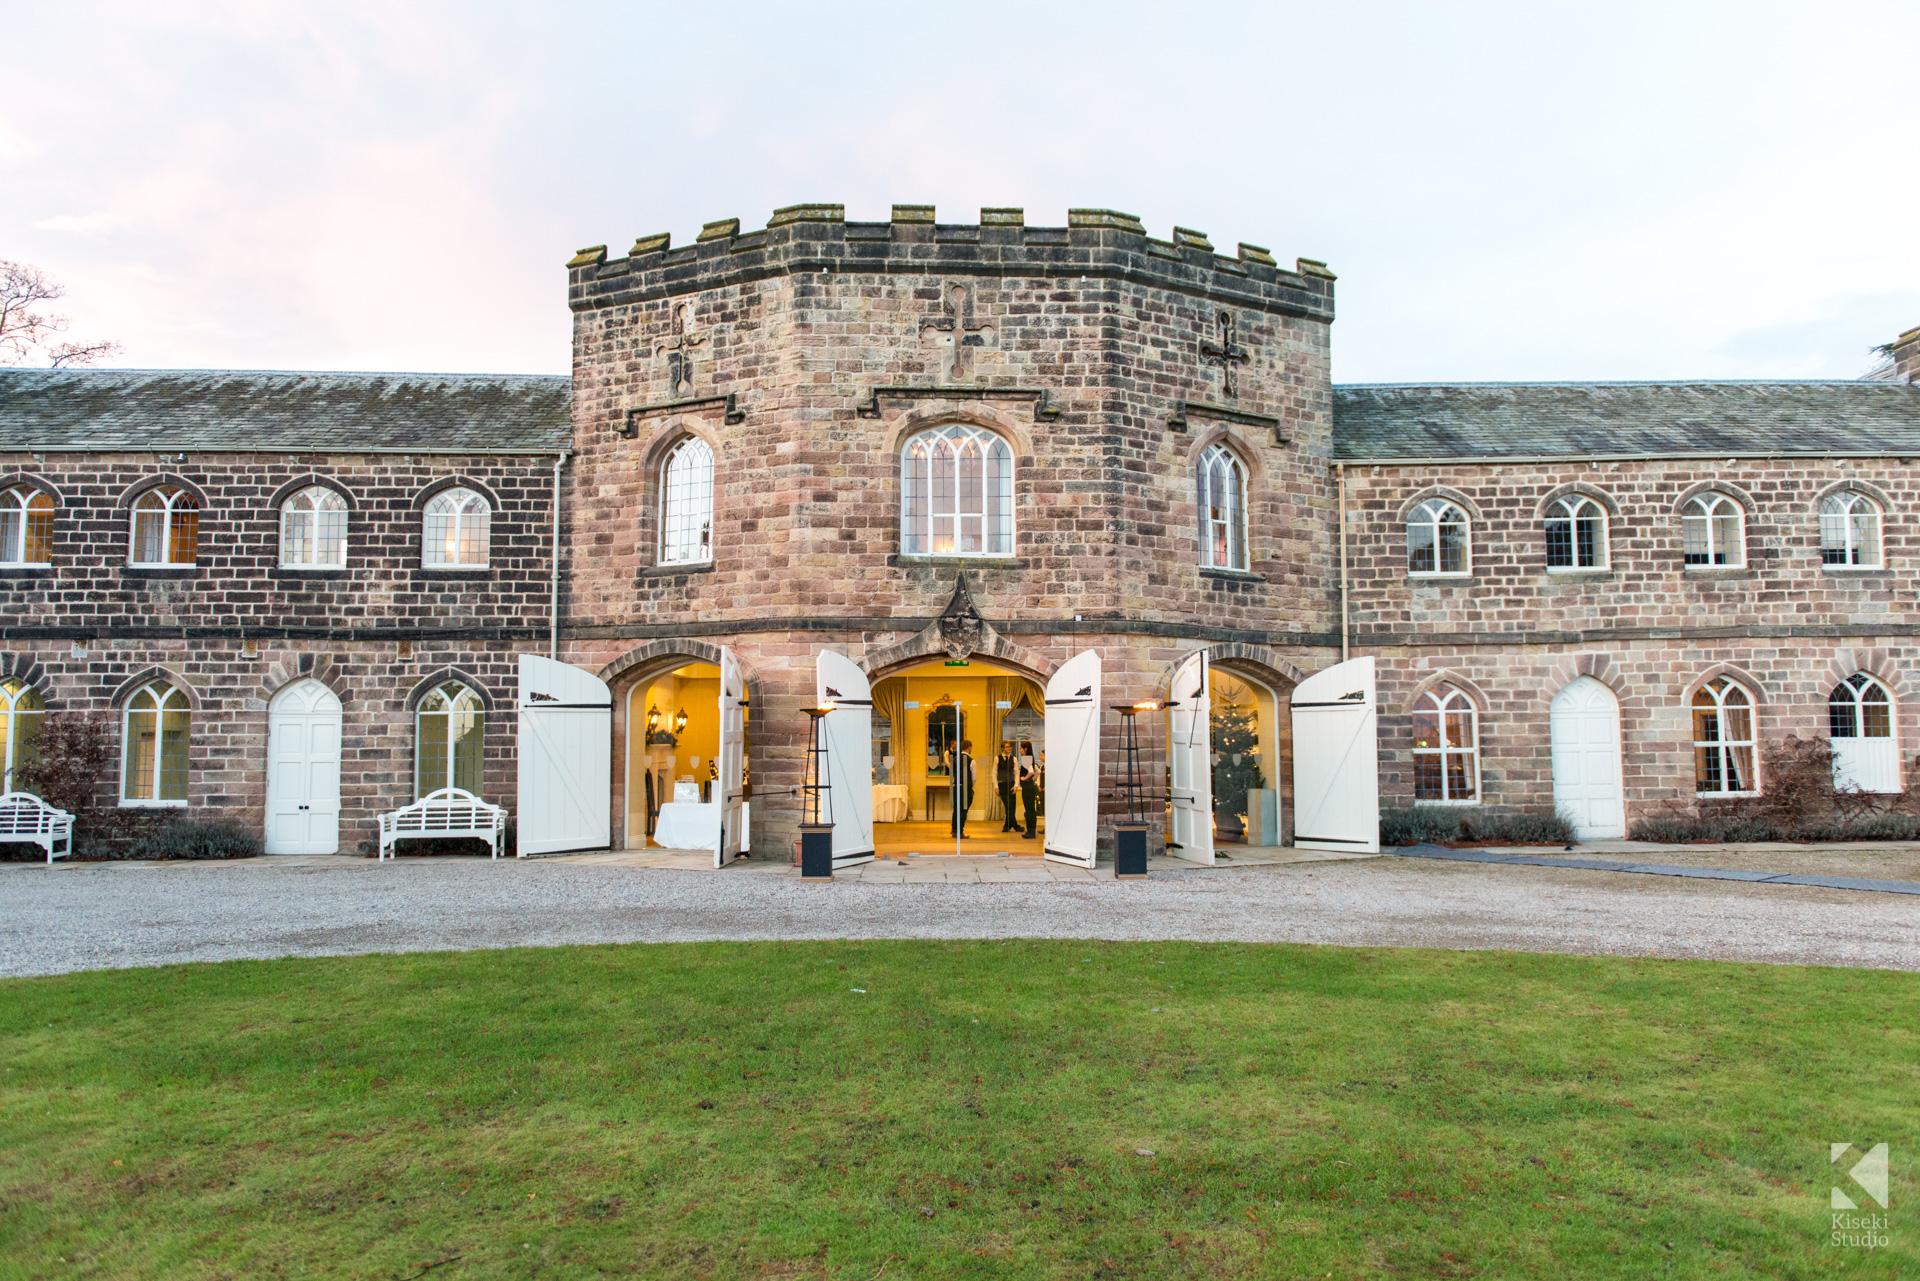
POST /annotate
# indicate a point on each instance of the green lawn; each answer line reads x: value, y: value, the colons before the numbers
x: 1030, y: 1109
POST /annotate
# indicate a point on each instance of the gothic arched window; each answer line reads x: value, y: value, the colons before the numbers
x: 1223, y: 509
x: 21, y: 710
x: 26, y: 526
x: 1723, y: 739
x: 313, y: 530
x: 456, y: 531
x: 166, y: 527
x: 1437, y: 539
x: 1850, y: 530
x: 1446, y: 746
x: 1713, y: 530
x: 450, y: 732
x: 956, y: 489
x: 1576, y: 533
x: 154, y: 739
x: 1859, y: 708
x: 686, y: 504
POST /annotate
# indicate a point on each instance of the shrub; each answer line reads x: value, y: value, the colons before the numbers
x: 197, y: 839
x: 1517, y: 829
x: 1421, y: 824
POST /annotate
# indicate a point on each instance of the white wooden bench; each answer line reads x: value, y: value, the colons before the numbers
x: 444, y: 814
x: 25, y: 817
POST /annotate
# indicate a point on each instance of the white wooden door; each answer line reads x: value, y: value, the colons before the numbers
x: 1190, y: 759
x: 1336, y: 760
x: 303, y: 770
x: 730, y: 787
x: 1866, y: 765
x: 1585, y: 727
x: 1072, y: 732
x: 566, y: 759
x: 849, y: 739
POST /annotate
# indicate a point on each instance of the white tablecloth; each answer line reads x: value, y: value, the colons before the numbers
x: 686, y: 791
x: 891, y: 804
x: 692, y: 826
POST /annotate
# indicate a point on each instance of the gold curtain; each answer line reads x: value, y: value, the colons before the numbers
x: 1000, y: 689
x: 890, y: 701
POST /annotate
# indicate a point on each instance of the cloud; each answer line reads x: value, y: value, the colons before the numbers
x: 97, y: 223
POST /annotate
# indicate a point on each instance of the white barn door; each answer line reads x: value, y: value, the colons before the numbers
x: 1585, y: 726
x: 730, y: 785
x: 303, y: 770
x: 1190, y: 759
x: 566, y: 759
x: 849, y: 737
x: 1336, y: 760
x: 1072, y: 731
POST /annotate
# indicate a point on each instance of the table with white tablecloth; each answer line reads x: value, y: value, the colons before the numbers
x: 689, y: 825
x: 891, y: 804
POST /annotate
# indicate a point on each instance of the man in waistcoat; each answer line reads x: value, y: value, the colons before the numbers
x: 1029, y: 775
x: 962, y: 787
x: 1005, y: 777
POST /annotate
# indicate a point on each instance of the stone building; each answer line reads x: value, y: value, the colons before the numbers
x: 944, y: 462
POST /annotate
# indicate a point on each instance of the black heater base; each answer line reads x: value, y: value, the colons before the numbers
x: 816, y: 851
x: 1130, y: 851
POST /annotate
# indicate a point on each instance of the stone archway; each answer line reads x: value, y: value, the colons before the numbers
x: 1274, y: 677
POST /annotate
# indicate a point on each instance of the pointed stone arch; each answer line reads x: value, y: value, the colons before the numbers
x: 325, y: 668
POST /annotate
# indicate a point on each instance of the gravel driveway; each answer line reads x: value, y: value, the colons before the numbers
x: 74, y: 918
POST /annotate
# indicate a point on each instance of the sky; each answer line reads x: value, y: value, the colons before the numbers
x: 1506, y: 191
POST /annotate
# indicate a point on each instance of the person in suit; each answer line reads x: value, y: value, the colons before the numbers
x: 1005, y: 778
x: 962, y: 787
x: 1028, y: 773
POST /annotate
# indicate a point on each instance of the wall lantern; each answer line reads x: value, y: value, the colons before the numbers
x: 680, y: 722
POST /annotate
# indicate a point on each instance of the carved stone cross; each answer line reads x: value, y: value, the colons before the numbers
x: 1225, y: 353
x: 679, y: 350
x: 955, y: 335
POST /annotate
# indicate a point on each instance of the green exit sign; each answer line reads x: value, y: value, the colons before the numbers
x: 958, y: 662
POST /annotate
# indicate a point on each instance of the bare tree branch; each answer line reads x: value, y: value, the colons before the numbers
x: 27, y: 333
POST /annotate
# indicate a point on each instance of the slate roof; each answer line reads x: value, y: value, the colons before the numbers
x: 162, y: 409
x: 1521, y: 420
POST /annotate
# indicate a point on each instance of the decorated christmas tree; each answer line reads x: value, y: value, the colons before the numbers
x: 1236, y: 748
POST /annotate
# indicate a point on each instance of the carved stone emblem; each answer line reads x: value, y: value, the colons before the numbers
x: 962, y: 630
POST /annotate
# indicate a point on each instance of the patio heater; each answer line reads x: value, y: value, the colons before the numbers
x: 816, y: 826
x: 1130, y: 836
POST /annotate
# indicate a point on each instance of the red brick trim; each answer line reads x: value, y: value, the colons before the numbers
x: 1732, y: 491
x: 320, y: 667
x: 1740, y: 674
x: 1454, y: 496
x: 139, y: 680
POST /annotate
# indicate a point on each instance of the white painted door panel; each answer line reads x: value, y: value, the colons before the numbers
x: 730, y: 785
x: 565, y: 759
x: 1190, y: 759
x: 1866, y: 764
x: 1336, y: 760
x: 849, y: 736
x: 1585, y: 726
x: 303, y: 770
x: 1073, y: 760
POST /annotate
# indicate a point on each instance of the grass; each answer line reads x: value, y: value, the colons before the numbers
x: 982, y: 1108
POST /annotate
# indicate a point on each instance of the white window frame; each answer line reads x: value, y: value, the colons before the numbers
x: 1718, y: 690
x: 1222, y: 467
x: 17, y: 514
x: 310, y: 520
x: 1703, y: 524
x: 1574, y: 508
x: 456, y: 511
x: 686, y: 504
x: 1839, y: 513
x: 449, y: 705
x: 919, y: 497
x: 1851, y: 694
x: 1432, y: 515
x: 15, y: 692
x: 1440, y: 702
x: 158, y: 693
x: 173, y: 501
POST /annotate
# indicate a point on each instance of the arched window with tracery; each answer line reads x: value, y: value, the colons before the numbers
x: 1437, y: 539
x: 449, y: 740
x: 155, y: 734
x: 456, y: 530
x: 21, y: 713
x: 956, y: 486
x: 1223, y: 509
x: 1860, y: 727
x: 1446, y: 747
x: 1850, y: 530
x: 1576, y: 534
x: 166, y: 527
x: 313, y: 530
x: 1723, y: 739
x: 1713, y: 529
x: 686, y: 504
x: 26, y: 526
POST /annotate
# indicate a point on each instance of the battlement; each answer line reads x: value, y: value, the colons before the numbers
x: 1096, y: 244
